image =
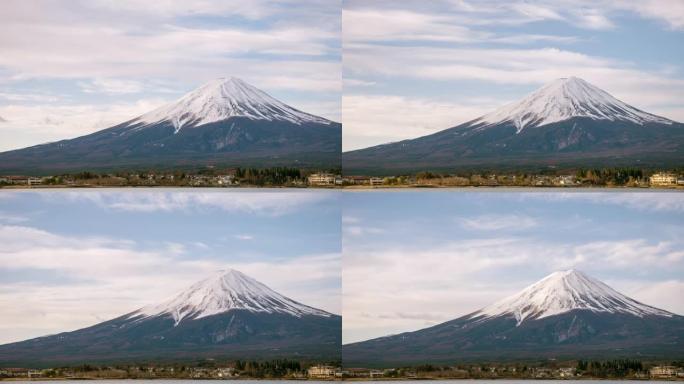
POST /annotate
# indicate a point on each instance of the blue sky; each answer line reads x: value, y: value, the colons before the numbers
x: 412, y: 259
x: 72, y: 68
x: 412, y: 68
x: 71, y: 259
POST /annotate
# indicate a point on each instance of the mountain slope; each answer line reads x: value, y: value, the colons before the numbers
x: 228, y: 315
x: 565, y: 315
x: 225, y: 122
x: 566, y: 123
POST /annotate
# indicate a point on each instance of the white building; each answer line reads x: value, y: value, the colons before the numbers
x: 321, y: 371
x: 661, y: 178
x: 225, y: 372
x: 377, y: 181
x: 663, y: 371
x: 321, y: 179
x: 375, y: 373
x: 225, y: 180
x: 34, y: 181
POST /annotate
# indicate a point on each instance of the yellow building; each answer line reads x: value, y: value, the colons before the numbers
x: 321, y: 179
x: 661, y: 178
x: 321, y: 371
x: 663, y: 371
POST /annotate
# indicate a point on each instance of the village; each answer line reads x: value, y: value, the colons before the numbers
x: 604, y: 178
x: 614, y: 370
x: 233, y: 178
x: 300, y: 179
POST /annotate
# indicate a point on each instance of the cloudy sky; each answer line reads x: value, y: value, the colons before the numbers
x: 413, y: 67
x: 71, y: 68
x: 73, y: 259
x: 415, y: 259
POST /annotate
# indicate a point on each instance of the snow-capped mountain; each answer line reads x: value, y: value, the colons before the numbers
x: 566, y: 123
x: 224, y: 123
x: 567, y: 314
x: 228, y: 315
x: 222, y: 99
x: 562, y: 292
x: 226, y: 290
x: 564, y: 99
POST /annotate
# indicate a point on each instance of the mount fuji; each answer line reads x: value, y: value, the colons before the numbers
x: 565, y: 315
x: 228, y: 315
x: 566, y: 123
x: 225, y: 122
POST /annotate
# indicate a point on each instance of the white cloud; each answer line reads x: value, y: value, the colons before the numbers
x: 346, y: 219
x: 357, y: 83
x: 11, y: 218
x: 119, y: 49
x: 669, y: 11
x: 37, y: 97
x: 654, y: 201
x: 535, y: 11
x: 377, y: 119
x: 45, y: 122
x: 244, y: 237
x: 111, y: 86
x: 398, y: 25
x: 358, y: 230
x: 665, y: 295
x: 498, y: 222
x: 272, y: 203
x: 594, y: 19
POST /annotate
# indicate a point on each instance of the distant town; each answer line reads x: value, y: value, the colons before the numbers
x: 614, y: 177
x: 205, y: 369
x: 286, y: 369
x: 209, y: 177
x: 297, y: 178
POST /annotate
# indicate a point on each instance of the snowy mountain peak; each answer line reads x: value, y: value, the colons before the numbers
x: 221, y: 99
x: 564, y: 291
x: 224, y: 291
x: 563, y: 99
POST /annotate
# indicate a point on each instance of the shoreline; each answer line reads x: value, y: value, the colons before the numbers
x: 351, y: 187
x: 345, y: 379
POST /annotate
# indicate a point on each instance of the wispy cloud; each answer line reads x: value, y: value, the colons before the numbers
x: 377, y: 119
x: 498, y: 222
x: 114, y: 86
x: 638, y: 201
x: 47, y: 122
x: 271, y: 203
x: 9, y: 218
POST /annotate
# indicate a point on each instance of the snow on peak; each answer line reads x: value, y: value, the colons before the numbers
x: 562, y: 99
x: 224, y: 291
x: 221, y: 99
x: 564, y: 291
